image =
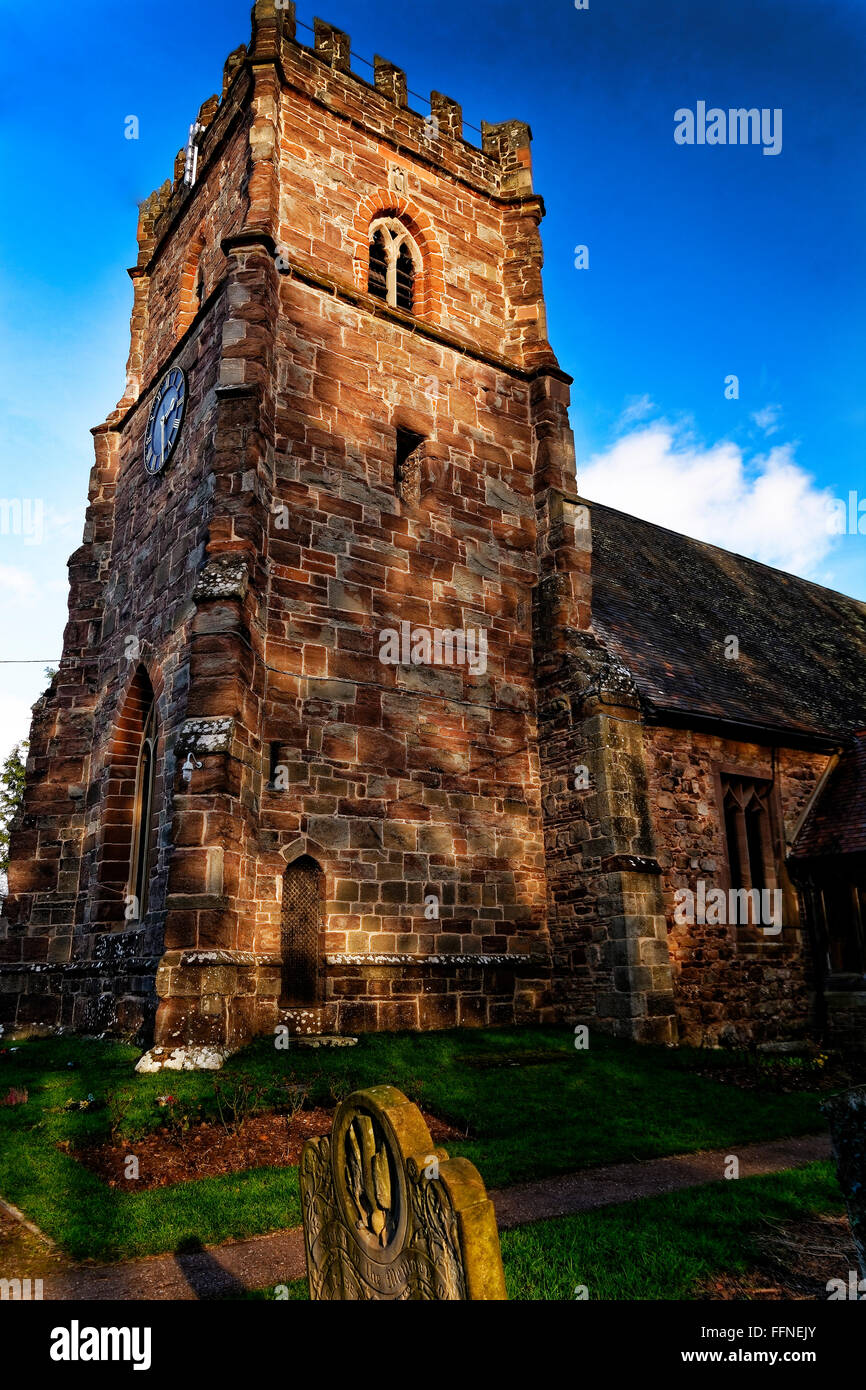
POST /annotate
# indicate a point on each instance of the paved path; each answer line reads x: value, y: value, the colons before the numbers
x: 278, y: 1257
x: 229, y: 1269
x: 623, y: 1182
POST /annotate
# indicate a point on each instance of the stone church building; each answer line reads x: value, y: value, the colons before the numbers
x: 365, y: 718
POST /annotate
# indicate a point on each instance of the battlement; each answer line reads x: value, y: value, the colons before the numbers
x: 502, y: 162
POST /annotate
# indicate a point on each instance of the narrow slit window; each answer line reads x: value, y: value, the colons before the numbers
x: 405, y: 280
x: 278, y: 769
x: 378, y: 284
x: 407, y: 467
x: 733, y: 846
x: 273, y: 764
x: 755, y: 841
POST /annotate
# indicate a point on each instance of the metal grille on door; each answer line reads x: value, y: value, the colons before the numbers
x: 300, y: 934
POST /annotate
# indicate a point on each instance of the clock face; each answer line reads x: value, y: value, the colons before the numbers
x: 165, y: 420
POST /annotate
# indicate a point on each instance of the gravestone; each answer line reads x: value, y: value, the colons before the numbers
x: 388, y: 1215
x: 847, y: 1117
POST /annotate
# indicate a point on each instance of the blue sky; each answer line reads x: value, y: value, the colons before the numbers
x: 704, y: 262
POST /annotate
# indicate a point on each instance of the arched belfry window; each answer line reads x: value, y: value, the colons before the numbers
x: 395, y: 261
x: 142, y: 814
x: 301, y: 932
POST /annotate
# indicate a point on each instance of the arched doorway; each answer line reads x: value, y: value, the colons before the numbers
x: 301, y: 932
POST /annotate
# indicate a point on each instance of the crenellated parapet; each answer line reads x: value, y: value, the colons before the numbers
x: 229, y: 180
x: 504, y: 153
x: 333, y: 46
x: 509, y: 144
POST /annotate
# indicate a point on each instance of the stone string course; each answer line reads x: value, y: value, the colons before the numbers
x: 476, y: 959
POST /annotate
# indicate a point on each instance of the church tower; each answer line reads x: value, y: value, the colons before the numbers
x: 288, y: 771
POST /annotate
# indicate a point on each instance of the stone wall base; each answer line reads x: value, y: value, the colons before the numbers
x: 224, y: 998
x: 87, y: 997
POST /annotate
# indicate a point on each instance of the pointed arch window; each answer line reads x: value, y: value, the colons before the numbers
x: 748, y: 830
x: 142, y: 821
x: 750, y: 837
x: 395, y: 262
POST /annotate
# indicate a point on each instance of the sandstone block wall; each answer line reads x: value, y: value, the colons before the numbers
x: 733, y: 983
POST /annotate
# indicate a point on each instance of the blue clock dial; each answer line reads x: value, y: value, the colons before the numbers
x: 165, y: 420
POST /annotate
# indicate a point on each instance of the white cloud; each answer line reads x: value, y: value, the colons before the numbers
x: 767, y: 419
x: 636, y: 408
x: 766, y: 507
x: 16, y: 583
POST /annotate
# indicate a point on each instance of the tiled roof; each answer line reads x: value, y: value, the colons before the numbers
x: 666, y: 606
x: 837, y: 823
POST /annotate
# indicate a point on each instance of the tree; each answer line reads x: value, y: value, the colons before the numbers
x: 11, y: 797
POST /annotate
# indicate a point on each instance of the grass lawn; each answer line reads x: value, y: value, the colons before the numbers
x: 532, y: 1105
x: 662, y: 1247
x: 657, y: 1248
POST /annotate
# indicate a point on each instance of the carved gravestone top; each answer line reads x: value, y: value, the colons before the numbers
x: 387, y: 1215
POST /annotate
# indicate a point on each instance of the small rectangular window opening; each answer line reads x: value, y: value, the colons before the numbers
x: 276, y: 782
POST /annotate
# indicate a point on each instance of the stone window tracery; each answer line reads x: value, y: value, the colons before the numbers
x: 395, y: 262
x: 749, y: 832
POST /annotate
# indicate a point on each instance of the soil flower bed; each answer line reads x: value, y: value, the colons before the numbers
x: 208, y: 1150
